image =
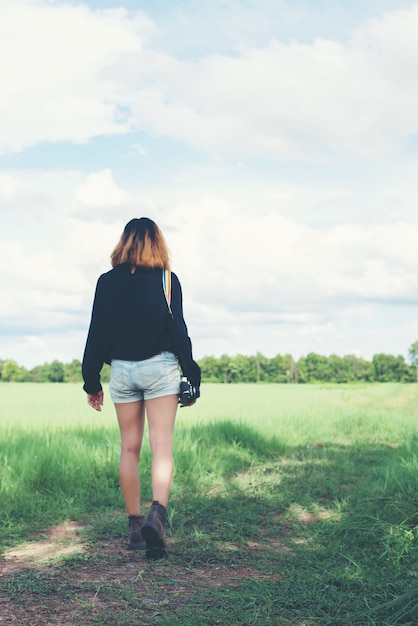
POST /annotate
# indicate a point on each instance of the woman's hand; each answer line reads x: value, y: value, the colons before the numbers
x: 95, y: 400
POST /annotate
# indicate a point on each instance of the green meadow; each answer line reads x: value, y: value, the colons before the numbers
x: 291, y: 504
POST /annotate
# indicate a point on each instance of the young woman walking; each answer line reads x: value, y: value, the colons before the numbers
x: 130, y: 330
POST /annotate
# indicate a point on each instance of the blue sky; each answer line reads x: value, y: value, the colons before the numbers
x: 275, y: 142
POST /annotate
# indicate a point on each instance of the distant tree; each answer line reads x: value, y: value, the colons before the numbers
x: 339, y: 369
x: 209, y: 369
x: 11, y: 372
x: 239, y: 369
x: 24, y: 376
x: 361, y: 368
x: 292, y: 373
x: 262, y: 367
x: 282, y: 369
x: 56, y: 372
x: 40, y: 373
x: 72, y: 371
x: 48, y: 373
x: 225, y: 368
x: 301, y: 369
x: 316, y: 368
x: 413, y: 356
x: 390, y: 369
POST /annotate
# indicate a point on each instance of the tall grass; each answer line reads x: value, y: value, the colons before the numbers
x: 59, y: 458
x: 329, y: 473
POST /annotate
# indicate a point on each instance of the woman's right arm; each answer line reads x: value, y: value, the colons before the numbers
x: 93, y: 352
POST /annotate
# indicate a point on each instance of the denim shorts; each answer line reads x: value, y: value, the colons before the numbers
x: 132, y: 381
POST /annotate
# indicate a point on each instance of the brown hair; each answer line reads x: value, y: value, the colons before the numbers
x: 142, y: 244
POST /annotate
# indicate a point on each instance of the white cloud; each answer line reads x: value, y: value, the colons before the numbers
x: 252, y: 280
x: 289, y: 101
x: 272, y: 263
x: 50, y: 290
x: 31, y: 350
x: 100, y: 191
x: 69, y: 73
x: 259, y: 267
x: 8, y: 187
x: 320, y: 329
x: 53, y: 57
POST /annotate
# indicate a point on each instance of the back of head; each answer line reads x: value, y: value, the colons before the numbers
x: 142, y: 244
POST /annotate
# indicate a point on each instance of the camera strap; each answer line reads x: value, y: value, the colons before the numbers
x: 167, y: 288
x: 167, y: 293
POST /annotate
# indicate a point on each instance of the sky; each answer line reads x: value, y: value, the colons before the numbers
x: 275, y: 142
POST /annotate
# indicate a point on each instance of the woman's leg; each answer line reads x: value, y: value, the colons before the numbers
x: 131, y: 418
x: 161, y: 414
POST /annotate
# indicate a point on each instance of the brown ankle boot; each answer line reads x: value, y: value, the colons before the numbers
x: 136, y: 540
x: 153, y: 531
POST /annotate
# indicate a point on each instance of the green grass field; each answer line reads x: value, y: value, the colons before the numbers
x: 293, y: 505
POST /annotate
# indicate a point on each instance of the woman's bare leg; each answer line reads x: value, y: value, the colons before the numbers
x: 131, y: 418
x: 161, y: 414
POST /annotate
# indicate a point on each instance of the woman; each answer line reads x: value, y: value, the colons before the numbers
x: 130, y: 330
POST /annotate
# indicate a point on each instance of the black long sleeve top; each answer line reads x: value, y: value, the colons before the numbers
x: 130, y: 322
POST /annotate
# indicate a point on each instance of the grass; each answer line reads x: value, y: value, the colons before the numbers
x: 291, y: 505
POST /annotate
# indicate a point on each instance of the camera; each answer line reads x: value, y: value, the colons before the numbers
x: 188, y: 393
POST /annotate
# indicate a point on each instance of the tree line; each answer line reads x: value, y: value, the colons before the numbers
x: 312, y: 368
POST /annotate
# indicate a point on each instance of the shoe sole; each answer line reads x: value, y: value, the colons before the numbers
x: 156, y: 548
